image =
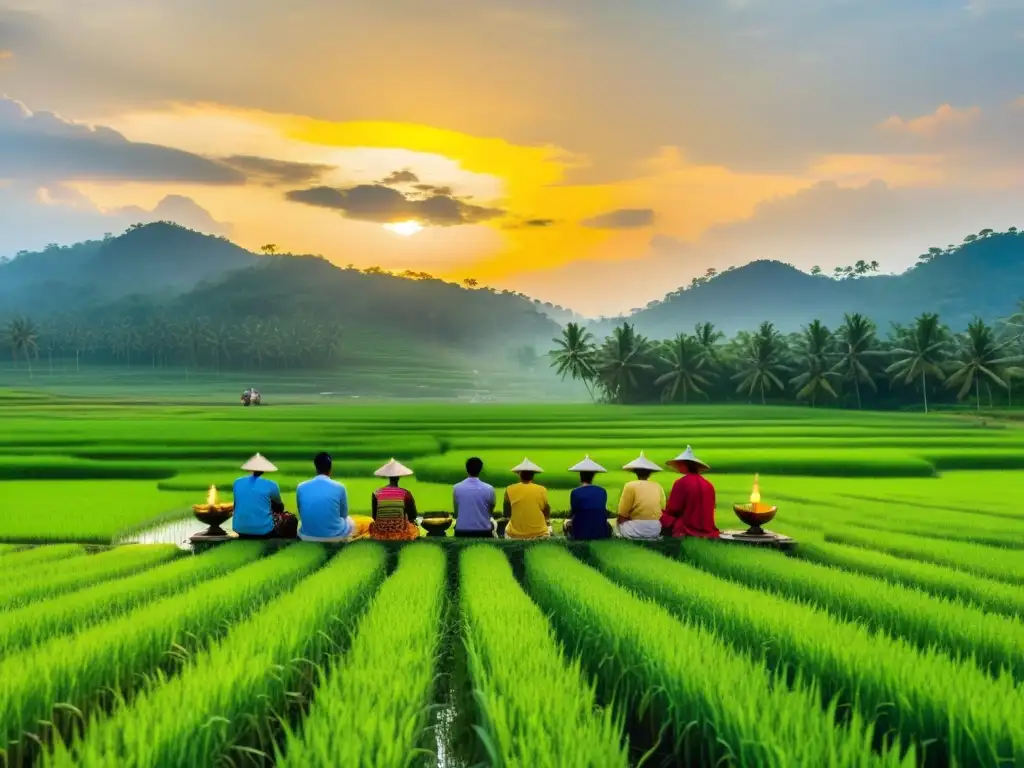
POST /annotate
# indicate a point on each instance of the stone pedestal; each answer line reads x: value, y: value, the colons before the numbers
x: 205, y: 539
x: 766, y: 539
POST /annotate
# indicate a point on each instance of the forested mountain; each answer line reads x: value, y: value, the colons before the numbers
x: 983, y: 276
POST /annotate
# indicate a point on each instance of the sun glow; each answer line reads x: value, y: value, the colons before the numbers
x: 404, y: 228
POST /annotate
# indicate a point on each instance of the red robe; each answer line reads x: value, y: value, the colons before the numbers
x: 690, y: 510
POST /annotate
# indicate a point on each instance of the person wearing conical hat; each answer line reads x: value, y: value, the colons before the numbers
x: 641, y: 502
x: 393, y: 508
x: 526, y: 505
x: 691, y: 504
x: 259, y: 511
x: 588, y: 505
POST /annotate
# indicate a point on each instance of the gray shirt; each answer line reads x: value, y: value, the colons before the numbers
x: 474, y: 500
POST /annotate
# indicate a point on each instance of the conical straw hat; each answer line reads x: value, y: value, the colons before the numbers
x: 687, y: 455
x: 258, y: 464
x: 527, y: 466
x: 642, y: 462
x: 587, y: 465
x: 393, y: 469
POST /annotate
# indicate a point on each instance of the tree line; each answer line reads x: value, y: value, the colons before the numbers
x: 852, y: 365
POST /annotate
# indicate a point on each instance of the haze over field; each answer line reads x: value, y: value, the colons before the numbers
x: 596, y: 155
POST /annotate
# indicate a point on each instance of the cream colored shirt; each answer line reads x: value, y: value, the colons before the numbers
x: 641, y: 500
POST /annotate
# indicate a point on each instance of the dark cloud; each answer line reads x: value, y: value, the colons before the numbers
x: 405, y: 176
x: 270, y: 172
x: 44, y: 147
x: 530, y: 224
x: 433, y: 189
x: 624, y: 218
x: 375, y: 202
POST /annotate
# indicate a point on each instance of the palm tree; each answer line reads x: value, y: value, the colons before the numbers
x: 576, y: 355
x: 921, y: 353
x: 620, y: 359
x: 761, y: 362
x: 981, y: 356
x: 855, y: 348
x: 23, y: 337
x: 707, y: 338
x: 812, y: 348
x: 269, y: 249
x: 685, y: 360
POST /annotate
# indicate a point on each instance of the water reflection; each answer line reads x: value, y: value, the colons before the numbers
x: 176, y: 532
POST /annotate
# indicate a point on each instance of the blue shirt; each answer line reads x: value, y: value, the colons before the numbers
x: 252, y: 505
x: 588, y: 506
x: 474, y: 500
x: 323, y: 508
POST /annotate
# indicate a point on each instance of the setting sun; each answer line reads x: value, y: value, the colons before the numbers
x: 404, y: 228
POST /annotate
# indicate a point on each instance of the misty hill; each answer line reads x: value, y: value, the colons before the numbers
x: 983, y: 277
x: 154, y: 259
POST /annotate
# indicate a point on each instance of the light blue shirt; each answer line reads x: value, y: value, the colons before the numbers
x: 252, y: 505
x: 323, y: 508
x: 474, y: 500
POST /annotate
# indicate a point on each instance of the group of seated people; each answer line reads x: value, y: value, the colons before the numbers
x: 643, y: 510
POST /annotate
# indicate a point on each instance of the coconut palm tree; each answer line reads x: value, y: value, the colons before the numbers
x: 707, y: 338
x: 856, y: 347
x: 921, y: 353
x: 622, y: 357
x: 575, y: 355
x: 813, y: 355
x: 981, y: 356
x: 761, y: 363
x: 22, y: 335
x: 687, y: 368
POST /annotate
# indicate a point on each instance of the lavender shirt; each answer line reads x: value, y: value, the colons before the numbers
x: 473, y: 500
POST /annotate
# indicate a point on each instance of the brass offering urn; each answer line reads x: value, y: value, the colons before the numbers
x: 755, y: 514
x: 213, y: 514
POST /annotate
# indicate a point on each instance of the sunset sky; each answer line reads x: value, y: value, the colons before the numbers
x: 593, y: 154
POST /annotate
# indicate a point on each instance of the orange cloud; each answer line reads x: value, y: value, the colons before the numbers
x: 6, y: 54
x: 944, y: 118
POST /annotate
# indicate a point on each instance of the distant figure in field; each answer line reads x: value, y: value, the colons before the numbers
x: 473, y: 502
x: 394, y: 509
x: 259, y: 511
x: 588, y: 505
x: 323, y: 507
x: 641, y: 503
x: 691, y: 504
x: 526, y: 505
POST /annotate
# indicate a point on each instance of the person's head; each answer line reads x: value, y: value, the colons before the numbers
x: 323, y: 463
x: 526, y: 476
x: 393, y: 481
x: 642, y: 474
x: 690, y: 468
x: 586, y: 478
x: 474, y: 467
x: 257, y: 474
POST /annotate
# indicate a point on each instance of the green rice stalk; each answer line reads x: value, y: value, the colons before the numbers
x: 229, y: 697
x: 41, y: 621
x: 112, y: 656
x: 950, y: 710
x: 371, y: 708
x: 12, y: 565
x: 993, y: 642
x: 78, y: 572
x: 536, y: 706
x: 716, y: 706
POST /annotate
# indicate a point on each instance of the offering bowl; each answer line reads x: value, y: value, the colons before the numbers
x: 213, y: 515
x: 755, y: 515
x: 436, y: 523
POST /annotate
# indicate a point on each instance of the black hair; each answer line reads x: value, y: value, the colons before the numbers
x: 474, y: 467
x: 692, y: 467
x: 643, y: 474
x: 587, y: 477
x: 526, y: 476
x: 323, y: 463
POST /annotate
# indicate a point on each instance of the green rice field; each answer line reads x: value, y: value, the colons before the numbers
x: 893, y: 634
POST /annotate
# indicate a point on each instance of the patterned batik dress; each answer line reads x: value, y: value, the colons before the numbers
x: 392, y: 524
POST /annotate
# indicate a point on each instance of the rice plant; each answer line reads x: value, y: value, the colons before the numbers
x: 993, y: 642
x: 41, y: 621
x: 709, y: 704
x: 227, y: 700
x: 16, y: 563
x: 58, y: 679
x: 952, y: 711
x: 371, y: 707
x: 537, y: 710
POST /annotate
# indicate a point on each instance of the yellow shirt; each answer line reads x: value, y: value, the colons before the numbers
x: 528, y: 503
x: 641, y: 500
